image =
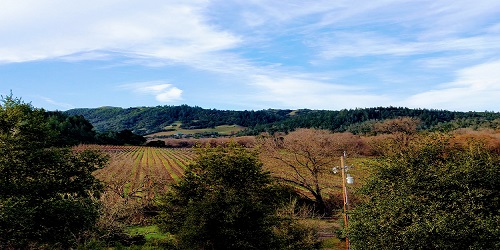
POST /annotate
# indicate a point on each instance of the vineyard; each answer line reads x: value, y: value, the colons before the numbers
x: 141, y: 172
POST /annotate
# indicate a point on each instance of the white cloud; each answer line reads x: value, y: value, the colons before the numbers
x: 475, y: 89
x: 45, y: 29
x: 270, y: 53
x: 299, y: 93
x: 163, y: 92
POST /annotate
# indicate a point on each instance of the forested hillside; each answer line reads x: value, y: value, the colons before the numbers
x: 147, y: 120
x: 360, y: 121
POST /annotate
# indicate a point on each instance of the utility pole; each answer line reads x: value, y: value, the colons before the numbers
x: 346, y: 200
x: 346, y: 179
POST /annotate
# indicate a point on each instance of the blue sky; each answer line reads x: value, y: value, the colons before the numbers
x: 252, y: 54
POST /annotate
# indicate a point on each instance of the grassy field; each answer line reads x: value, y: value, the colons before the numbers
x: 150, y: 232
x: 175, y: 129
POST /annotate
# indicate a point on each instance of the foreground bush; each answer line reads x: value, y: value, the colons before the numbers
x: 430, y: 194
x: 226, y: 201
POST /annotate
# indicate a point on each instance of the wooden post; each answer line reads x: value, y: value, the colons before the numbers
x: 346, y: 201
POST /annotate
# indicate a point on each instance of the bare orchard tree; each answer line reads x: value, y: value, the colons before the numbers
x: 303, y: 157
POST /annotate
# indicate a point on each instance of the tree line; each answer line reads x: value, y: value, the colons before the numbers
x: 146, y: 120
x: 361, y: 121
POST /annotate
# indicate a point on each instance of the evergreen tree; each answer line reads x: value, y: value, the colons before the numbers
x: 48, y: 196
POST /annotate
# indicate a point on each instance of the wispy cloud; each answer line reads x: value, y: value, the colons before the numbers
x: 316, y: 54
x: 171, y: 30
x: 163, y: 92
x: 349, y: 44
x: 300, y: 93
x: 475, y: 88
x: 61, y: 105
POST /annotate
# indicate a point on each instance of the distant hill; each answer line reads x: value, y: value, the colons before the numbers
x: 148, y: 120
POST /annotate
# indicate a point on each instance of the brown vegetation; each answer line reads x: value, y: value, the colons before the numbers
x: 490, y: 137
x: 305, y: 157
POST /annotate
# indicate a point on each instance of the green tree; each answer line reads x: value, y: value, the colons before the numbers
x: 48, y: 196
x: 71, y: 130
x: 431, y: 195
x: 224, y: 201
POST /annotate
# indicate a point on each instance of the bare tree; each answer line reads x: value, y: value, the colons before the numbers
x: 304, y: 156
x: 401, y: 128
x: 393, y: 134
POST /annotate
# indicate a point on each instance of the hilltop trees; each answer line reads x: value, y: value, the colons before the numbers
x: 360, y: 121
x: 48, y: 196
x: 147, y: 120
x: 431, y: 194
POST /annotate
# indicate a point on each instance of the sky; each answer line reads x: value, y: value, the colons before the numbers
x: 252, y: 54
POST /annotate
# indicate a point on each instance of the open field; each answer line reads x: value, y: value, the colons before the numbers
x: 137, y: 171
x: 138, y: 164
x: 176, y: 130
